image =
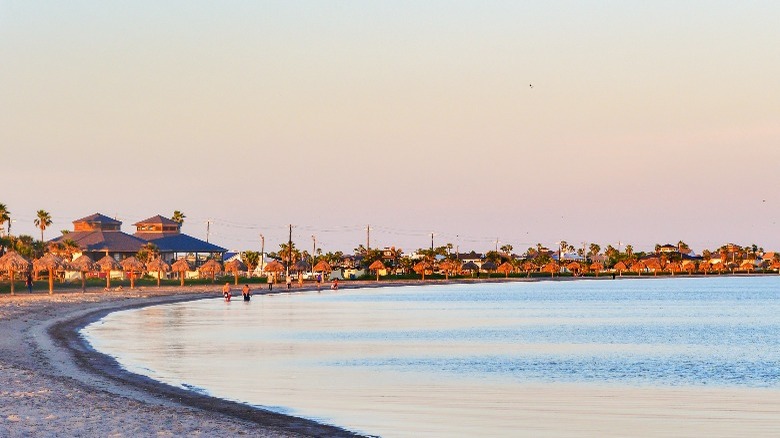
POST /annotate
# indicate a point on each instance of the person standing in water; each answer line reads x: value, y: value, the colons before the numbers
x: 226, y: 291
x: 246, y: 293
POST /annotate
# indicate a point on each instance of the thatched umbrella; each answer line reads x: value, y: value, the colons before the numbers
x: 620, y: 267
x: 211, y: 266
x: 450, y: 267
x: 421, y: 267
x: 551, y: 267
x: 83, y: 264
x: 322, y: 266
x: 775, y: 265
x: 638, y: 267
x: 181, y: 266
x: 158, y: 265
x: 506, y: 268
x: 674, y: 267
x: 235, y: 266
x: 471, y: 267
x: 377, y: 266
x: 108, y: 264
x: 574, y: 267
x: 13, y: 263
x: 528, y: 266
x: 489, y: 267
x: 596, y: 267
x: 274, y: 268
x: 689, y: 266
x: 52, y: 264
x: 132, y: 265
x: 653, y: 265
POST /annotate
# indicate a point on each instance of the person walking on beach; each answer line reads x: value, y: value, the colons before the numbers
x: 270, y: 281
x: 226, y: 291
x: 245, y: 292
x: 289, y: 282
x: 29, y: 282
x: 318, y: 281
x: 335, y: 285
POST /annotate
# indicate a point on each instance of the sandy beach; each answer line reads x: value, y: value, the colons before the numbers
x: 51, y: 384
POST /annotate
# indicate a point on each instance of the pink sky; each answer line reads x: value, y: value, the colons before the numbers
x: 646, y: 123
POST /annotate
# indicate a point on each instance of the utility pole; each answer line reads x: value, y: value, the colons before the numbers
x: 208, y: 229
x: 431, y: 242
x: 262, y: 253
x: 313, y: 250
x: 368, y: 237
x: 289, y: 252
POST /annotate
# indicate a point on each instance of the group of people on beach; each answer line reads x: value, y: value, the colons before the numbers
x: 228, y: 294
x: 247, y: 293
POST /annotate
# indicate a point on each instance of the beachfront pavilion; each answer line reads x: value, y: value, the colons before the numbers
x: 173, y: 244
x: 97, y: 235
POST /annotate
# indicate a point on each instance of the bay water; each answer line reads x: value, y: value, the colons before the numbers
x: 470, y: 359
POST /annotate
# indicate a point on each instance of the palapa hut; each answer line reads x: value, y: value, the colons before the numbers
x: 235, y: 266
x: 108, y: 264
x: 638, y: 267
x: 376, y: 267
x: 84, y: 265
x: 528, y: 267
x: 470, y: 267
x: 50, y: 263
x: 13, y: 263
x: 506, y: 268
x: 300, y: 267
x: 273, y: 268
x: 574, y: 267
x: 132, y: 265
x: 775, y: 266
x: 181, y: 266
x: 211, y: 267
x: 620, y: 267
x: 322, y: 266
x: 159, y: 266
x: 450, y: 267
x: 674, y: 268
x: 552, y: 268
x: 421, y: 267
x: 654, y: 266
x: 489, y: 267
x: 596, y: 267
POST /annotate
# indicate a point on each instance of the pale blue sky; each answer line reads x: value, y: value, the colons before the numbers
x: 648, y: 121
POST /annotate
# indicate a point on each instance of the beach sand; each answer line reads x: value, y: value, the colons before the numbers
x: 51, y: 384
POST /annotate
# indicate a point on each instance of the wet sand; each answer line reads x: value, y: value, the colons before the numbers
x: 52, y: 384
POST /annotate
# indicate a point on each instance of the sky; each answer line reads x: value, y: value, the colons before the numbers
x: 482, y: 122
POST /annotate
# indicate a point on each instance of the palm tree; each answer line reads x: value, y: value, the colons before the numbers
x: 148, y: 252
x: 506, y: 249
x: 178, y: 217
x: 5, y: 216
x: 251, y: 259
x: 42, y: 221
x: 594, y: 249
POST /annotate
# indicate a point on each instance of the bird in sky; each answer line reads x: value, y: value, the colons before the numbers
x: 531, y: 85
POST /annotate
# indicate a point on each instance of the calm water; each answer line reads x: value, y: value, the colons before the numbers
x: 454, y: 360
